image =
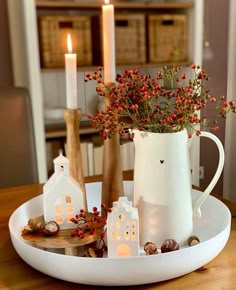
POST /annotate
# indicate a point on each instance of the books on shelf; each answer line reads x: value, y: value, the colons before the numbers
x: 87, y: 155
x: 92, y: 157
x: 93, y: 163
x: 84, y: 156
x: 98, y: 157
x: 127, y: 155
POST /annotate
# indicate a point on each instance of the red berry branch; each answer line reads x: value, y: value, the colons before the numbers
x: 87, y: 224
x: 166, y: 103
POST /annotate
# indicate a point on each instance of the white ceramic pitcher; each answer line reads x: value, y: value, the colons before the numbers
x: 162, y: 185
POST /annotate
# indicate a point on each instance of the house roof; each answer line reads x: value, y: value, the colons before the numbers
x: 58, y: 179
x: 122, y: 202
x: 123, y: 205
x: 61, y: 159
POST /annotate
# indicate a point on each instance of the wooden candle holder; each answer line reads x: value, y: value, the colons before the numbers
x: 112, y: 182
x: 72, y: 118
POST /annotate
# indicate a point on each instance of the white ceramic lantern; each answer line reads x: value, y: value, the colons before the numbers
x: 123, y: 229
x: 62, y: 195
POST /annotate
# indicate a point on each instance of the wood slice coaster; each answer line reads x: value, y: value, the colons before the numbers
x: 63, y: 240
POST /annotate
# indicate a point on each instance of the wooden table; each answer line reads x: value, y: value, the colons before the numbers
x: 15, y: 274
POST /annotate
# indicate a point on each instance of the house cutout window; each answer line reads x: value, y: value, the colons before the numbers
x: 112, y: 226
x: 69, y: 208
x: 68, y: 218
x: 59, y: 219
x: 127, y: 235
x: 63, y: 209
x: 133, y: 236
x: 68, y: 199
x: 58, y: 209
x: 123, y: 250
x: 112, y: 236
x: 121, y: 216
x: 118, y: 235
x: 61, y: 168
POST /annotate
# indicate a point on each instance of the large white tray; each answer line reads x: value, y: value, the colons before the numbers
x: 213, y: 229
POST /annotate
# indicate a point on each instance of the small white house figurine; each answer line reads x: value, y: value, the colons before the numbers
x: 62, y: 195
x: 123, y: 229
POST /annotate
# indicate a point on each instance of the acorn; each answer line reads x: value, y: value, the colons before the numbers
x: 169, y: 245
x: 51, y: 228
x: 193, y: 240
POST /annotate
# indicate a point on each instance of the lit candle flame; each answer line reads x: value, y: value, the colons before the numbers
x: 107, y: 2
x: 69, y: 44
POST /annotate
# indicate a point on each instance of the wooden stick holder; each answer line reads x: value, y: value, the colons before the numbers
x: 112, y: 182
x: 72, y: 118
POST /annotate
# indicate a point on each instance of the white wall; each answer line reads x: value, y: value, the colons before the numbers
x: 230, y: 133
x: 26, y: 68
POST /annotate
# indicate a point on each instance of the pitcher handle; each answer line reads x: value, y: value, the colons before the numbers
x: 198, y: 203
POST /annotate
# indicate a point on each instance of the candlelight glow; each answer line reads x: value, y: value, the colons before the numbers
x: 69, y: 44
x: 108, y: 24
x: 71, y: 77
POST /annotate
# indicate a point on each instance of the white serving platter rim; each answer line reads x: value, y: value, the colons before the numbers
x: 213, y: 229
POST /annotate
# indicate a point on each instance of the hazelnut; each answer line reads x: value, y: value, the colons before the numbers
x: 94, y: 253
x: 193, y: 240
x: 91, y: 253
x: 51, y: 228
x: 150, y: 248
x: 169, y: 245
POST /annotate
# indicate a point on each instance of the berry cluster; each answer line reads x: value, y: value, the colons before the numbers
x: 166, y: 103
x: 88, y: 223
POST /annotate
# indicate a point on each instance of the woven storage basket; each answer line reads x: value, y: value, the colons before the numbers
x: 130, y: 38
x: 53, y: 31
x: 168, y: 38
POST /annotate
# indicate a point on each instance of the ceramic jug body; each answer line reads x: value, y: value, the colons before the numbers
x: 162, y: 186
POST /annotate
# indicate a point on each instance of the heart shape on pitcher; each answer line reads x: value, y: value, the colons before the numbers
x: 162, y: 161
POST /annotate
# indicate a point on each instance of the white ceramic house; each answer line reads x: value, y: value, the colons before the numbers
x: 62, y: 195
x: 123, y: 229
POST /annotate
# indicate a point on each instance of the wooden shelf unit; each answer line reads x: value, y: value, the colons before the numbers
x: 23, y: 21
x: 57, y: 8
x: 119, y: 5
x: 120, y: 67
x: 57, y: 133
